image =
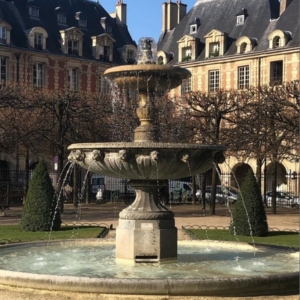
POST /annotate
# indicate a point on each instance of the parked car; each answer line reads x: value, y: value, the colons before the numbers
x: 223, y: 194
x: 282, y: 199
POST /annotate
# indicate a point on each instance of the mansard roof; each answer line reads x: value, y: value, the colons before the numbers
x: 262, y: 19
x: 16, y: 14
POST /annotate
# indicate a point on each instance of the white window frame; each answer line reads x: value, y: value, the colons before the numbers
x: 213, y: 80
x: 34, y: 12
x: 240, y: 20
x: 74, y: 79
x: 243, y: 77
x: 193, y: 28
x: 3, y: 68
x: 38, y: 75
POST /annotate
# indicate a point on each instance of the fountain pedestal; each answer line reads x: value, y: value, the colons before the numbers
x: 146, y: 230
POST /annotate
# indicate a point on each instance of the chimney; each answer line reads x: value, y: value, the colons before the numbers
x: 181, y: 11
x: 172, y: 14
x: 121, y: 13
x: 283, y: 5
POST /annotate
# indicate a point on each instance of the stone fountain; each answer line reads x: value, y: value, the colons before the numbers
x: 146, y: 230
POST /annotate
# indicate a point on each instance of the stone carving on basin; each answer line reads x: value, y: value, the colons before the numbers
x: 154, y: 161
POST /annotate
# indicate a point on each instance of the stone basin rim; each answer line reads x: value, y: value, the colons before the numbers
x: 145, y: 145
x: 146, y: 68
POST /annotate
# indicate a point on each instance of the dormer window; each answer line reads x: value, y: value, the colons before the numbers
x: 37, y: 38
x: 106, y: 25
x: 215, y: 43
x: 186, y: 54
x: 5, y: 29
x: 103, y: 47
x: 2, y: 35
x: 243, y: 48
x: 240, y: 20
x: 194, y: 26
x: 82, y: 23
x: 34, y: 12
x: 187, y: 49
x: 38, y: 41
x: 71, y: 41
x: 279, y: 38
x: 61, y: 18
x: 245, y: 44
x: 73, y: 47
x: 241, y: 16
x: 214, y: 49
x: 130, y: 56
x: 276, y: 42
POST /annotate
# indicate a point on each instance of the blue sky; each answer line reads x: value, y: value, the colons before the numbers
x: 144, y: 17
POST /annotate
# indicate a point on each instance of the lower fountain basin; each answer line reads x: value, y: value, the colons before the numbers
x: 148, y: 160
x: 203, y: 268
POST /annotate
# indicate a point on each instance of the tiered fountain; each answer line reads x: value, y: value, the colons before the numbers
x: 146, y: 230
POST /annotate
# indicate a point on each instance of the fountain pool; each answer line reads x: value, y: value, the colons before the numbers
x: 205, y: 267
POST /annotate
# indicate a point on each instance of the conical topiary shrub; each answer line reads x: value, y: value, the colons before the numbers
x: 249, y: 216
x: 39, y: 211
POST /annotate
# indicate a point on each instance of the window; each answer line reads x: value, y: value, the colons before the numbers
x: 104, y: 86
x: 214, y: 49
x: 38, y: 41
x: 240, y: 20
x: 61, y: 18
x: 73, y: 47
x: 130, y: 56
x: 276, y: 72
x: 3, y: 68
x: 186, y: 85
x: 104, y: 53
x: 108, y: 29
x: 243, y: 79
x: 276, y: 42
x: 243, y: 48
x: 38, y: 75
x: 214, y: 80
x: 2, y: 35
x: 74, y: 80
x: 82, y: 23
x: 34, y: 12
x: 186, y: 54
x: 193, y: 28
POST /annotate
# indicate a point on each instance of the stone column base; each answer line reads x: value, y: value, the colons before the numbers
x: 146, y: 240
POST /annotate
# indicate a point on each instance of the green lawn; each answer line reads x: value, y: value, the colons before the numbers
x: 14, y: 234
x: 280, y: 238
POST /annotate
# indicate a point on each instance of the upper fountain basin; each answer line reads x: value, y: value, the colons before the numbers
x: 149, y: 160
x: 147, y: 77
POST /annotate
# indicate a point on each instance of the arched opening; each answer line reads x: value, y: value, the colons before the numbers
x: 276, y: 42
x: 243, y: 47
